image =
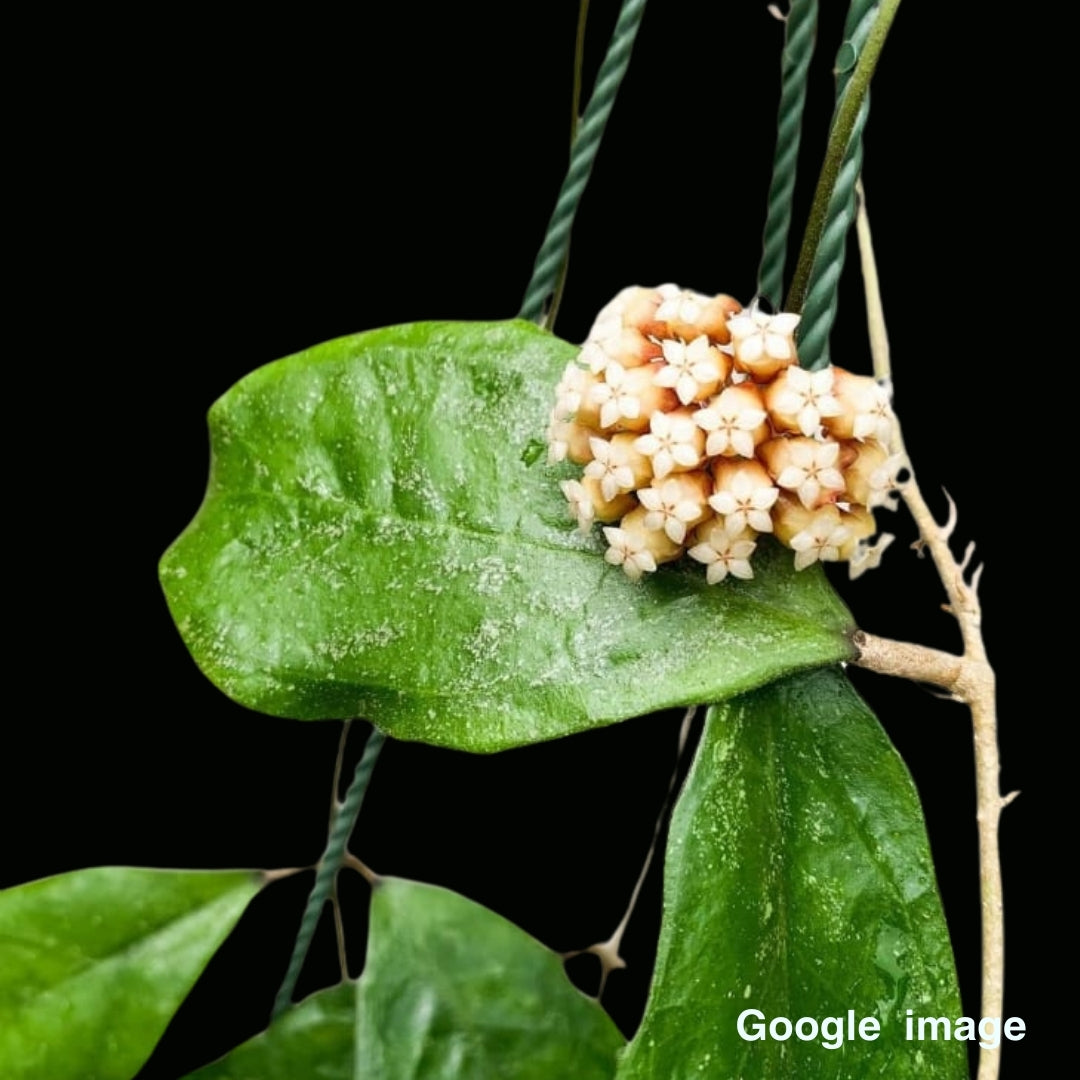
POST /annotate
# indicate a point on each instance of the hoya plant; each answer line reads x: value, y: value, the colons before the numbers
x: 550, y: 679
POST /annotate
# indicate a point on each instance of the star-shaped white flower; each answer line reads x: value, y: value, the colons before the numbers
x: 804, y: 396
x: 671, y: 507
x: 609, y: 319
x: 615, y: 396
x: 866, y: 413
x: 595, y: 357
x: 680, y: 305
x: 723, y: 554
x: 581, y: 507
x: 744, y: 503
x: 883, y: 484
x: 558, y: 443
x: 809, y: 468
x: 629, y: 552
x: 691, y: 369
x: 873, y: 412
x: 731, y: 421
x: 763, y: 343
x: 625, y: 346
x: 673, y: 440
x: 569, y: 391
x: 821, y: 540
x: 610, y: 468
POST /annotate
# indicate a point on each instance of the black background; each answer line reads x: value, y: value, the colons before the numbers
x: 208, y: 197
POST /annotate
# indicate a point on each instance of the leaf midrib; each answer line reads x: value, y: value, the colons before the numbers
x: 735, y: 590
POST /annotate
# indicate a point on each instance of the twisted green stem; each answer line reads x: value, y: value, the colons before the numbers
x: 821, y: 260
x: 800, y: 31
x: 329, y: 865
x: 860, y: 18
x: 822, y: 295
x: 575, y: 119
x: 556, y: 243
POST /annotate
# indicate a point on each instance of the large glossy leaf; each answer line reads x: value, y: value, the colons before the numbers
x: 450, y: 991
x: 374, y: 541
x: 94, y: 963
x: 798, y: 882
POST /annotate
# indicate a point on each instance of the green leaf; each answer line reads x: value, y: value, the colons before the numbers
x: 798, y: 882
x: 450, y: 991
x: 374, y: 542
x: 94, y: 963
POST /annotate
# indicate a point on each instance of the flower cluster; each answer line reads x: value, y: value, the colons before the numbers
x: 698, y: 431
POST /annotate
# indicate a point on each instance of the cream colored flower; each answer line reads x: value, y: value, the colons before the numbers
x: 763, y: 344
x: 723, y: 554
x: 865, y: 409
x: 680, y: 305
x: 676, y: 504
x: 870, y: 479
x: 569, y: 391
x: 674, y: 442
x: 627, y: 398
x: 610, y: 467
x: 743, y: 497
x: 629, y: 552
x: 805, y: 466
x: 569, y: 441
x: 735, y: 422
x: 558, y: 439
x: 693, y: 371
x: 798, y: 400
x: 625, y: 346
x: 884, y: 483
x: 609, y: 319
x: 821, y: 540
x: 615, y: 396
x: 581, y: 504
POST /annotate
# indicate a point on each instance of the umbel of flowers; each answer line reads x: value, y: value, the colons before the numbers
x: 698, y: 431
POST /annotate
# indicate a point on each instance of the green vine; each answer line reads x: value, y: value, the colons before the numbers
x: 556, y: 245
x: 329, y: 865
x: 800, y: 30
x: 847, y: 124
x: 575, y: 122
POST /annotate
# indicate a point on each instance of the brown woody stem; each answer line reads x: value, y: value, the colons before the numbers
x: 968, y: 678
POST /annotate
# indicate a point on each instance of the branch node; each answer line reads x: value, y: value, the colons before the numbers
x: 1006, y: 799
x: 361, y: 868
x: 607, y: 952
